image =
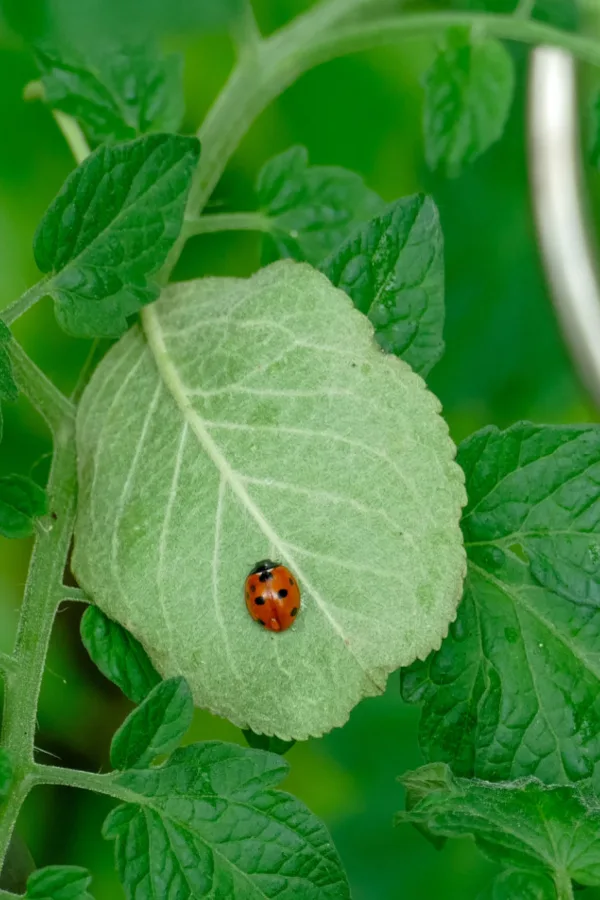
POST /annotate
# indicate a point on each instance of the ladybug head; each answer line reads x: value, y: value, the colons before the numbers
x: 264, y: 566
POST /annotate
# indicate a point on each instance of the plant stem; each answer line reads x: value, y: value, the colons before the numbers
x: 73, y: 595
x: 16, y: 309
x: 245, y: 31
x: 43, y: 593
x: 47, y: 399
x: 241, y: 221
x: 564, y: 886
x: 73, y: 135
x: 7, y: 664
x: 87, y: 781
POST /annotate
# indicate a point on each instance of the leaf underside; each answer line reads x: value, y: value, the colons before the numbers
x: 234, y: 431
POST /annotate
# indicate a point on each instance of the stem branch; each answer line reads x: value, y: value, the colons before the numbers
x: 47, y: 399
x: 16, y: 309
x: 241, y: 221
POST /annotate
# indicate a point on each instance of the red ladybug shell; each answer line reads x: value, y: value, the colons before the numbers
x: 272, y: 595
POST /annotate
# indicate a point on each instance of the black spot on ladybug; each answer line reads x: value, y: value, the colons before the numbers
x: 253, y: 588
x: 293, y: 611
x: 259, y: 601
x: 265, y: 576
x: 282, y: 593
x: 247, y: 595
x: 292, y: 581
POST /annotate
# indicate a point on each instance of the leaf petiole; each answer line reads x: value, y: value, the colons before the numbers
x: 241, y: 221
x: 15, y: 310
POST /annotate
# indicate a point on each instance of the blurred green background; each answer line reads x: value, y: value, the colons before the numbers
x: 504, y: 362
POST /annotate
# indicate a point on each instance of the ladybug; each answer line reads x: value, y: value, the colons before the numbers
x: 272, y: 595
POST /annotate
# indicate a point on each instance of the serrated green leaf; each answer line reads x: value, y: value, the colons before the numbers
x: 110, y: 230
x: 231, y: 431
x: 270, y: 744
x: 312, y: 208
x: 22, y: 501
x: 216, y: 826
x: 6, y: 773
x: 118, y: 655
x: 8, y: 388
x: 523, y: 824
x: 393, y: 269
x: 468, y: 95
x: 116, y: 93
x: 59, y: 883
x: 515, y: 688
x: 155, y: 727
x: 511, y: 885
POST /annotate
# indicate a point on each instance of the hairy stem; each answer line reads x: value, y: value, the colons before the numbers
x: 245, y: 31
x: 43, y: 593
x: 86, y: 781
x: 31, y: 296
x: 242, y: 221
x: 564, y: 886
x: 7, y: 664
x: 47, y: 399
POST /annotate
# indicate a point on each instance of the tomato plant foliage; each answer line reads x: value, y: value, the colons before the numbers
x: 185, y: 458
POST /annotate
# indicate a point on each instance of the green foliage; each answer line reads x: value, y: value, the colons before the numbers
x: 59, y: 883
x: 257, y: 453
x: 511, y: 884
x: 468, y: 94
x: 312, y: 209
x: 6, y: 773
x: 393, y: 269
x: 155, y: 727
x: 264, y: 742
x: 110, y: 229
x: 211, y: 823
x: 522, y: 824
x: 118, y: 655
x: 8, y: 387
x: 514, y: 689
x: 594, y: 130
x: 22, y: 501
x: 115, y: 93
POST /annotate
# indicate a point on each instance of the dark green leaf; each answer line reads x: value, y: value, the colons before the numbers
x: 594, y: 130
x: 155, y: 727
x: 6, y: 773
x: 515, y: 688
x: 265, y: 742
x: 118, y: 655
x: 115, y: 93
x: 110, y: 230
x: 8, y: 387
x: 468, y: 95
x: 514, y: 885
x: 21, y: 502
x: 312, y: 208
x: 216, y: 826
x: 393, y: 269
x: 522, y: 824
x: 59, y: 883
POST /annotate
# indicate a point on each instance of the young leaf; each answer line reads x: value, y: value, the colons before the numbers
x: 116, y: 93
x: 6, y: 773
x: 118, y: 655
x: 8, y: 387
x: 393, y: 269
x: 22, y: 501
x: 211, y: 823
x: 264, y: 742
x: 198, y: 457
x: 312, y: 208
x: 468, y: 95
x: 522, y: 824
x: 524, y: 885
x: 155, y: 727
x: 59, y: 883
x: 110, y: 230
x: 515, y: 688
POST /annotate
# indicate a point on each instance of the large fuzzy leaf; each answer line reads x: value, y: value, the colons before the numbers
x: 258, y: 418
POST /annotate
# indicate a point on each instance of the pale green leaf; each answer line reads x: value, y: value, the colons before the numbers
x: 109, y: 231
x: 252, y: 419
x: 393, y: 268
x: 59, y: 883
x: 524, y: 824
x: 115, y: 92
x: 515, y: 688
x: 117, y: 654
x: 22, y: 501
x: 312, y: 208
x: 155, y: 727
x: 468, y: 94
x: 210, y: 823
